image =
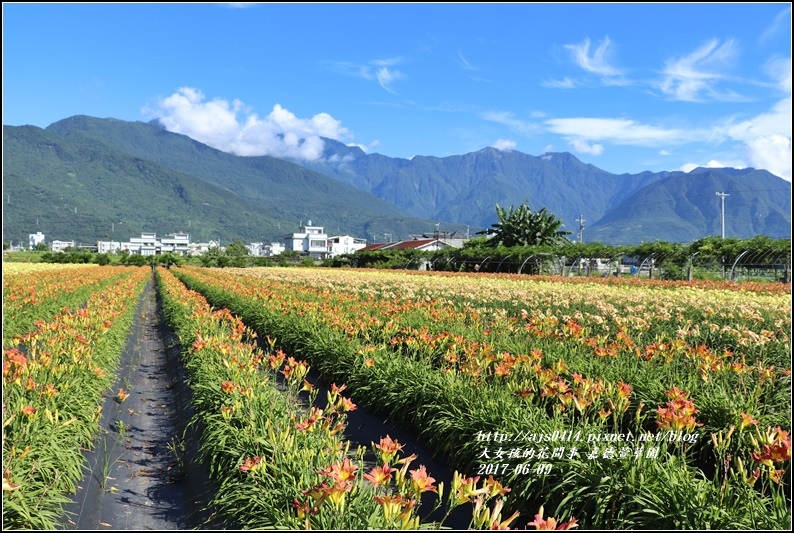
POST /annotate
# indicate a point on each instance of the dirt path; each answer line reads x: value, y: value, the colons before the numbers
x: 138, y: 477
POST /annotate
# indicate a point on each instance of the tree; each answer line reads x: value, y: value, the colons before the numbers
x: 522, y: 227
x: 41, y: 247
x: 237, y: 249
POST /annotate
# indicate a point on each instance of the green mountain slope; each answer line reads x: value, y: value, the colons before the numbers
x: 283, y: 192
x: 684, y: 207
x: 140, y: 175
x: 465, y: 188
x: 625, y: 208
x: 77, y: 189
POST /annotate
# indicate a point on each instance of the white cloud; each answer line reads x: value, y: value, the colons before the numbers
x: 504, y: 145
x: 385, y: 77
x: 779, y: 69
x: 767, y: 138
x: 366, y: 148
x: 665, y: 152
x: 619, y: 131
x: 580, y: 145
x: 772, y: 153
x: 464, y: 62
x: 565, y: 83
x: 231, y: 127
x: 693, y: 78
x: 689, y: 167
x: 781, y: 22
x: 377, y: 70
x: 597, y: 63
x: 508, y: 119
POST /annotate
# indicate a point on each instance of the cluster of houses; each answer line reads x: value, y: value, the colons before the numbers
x: 310, y: 241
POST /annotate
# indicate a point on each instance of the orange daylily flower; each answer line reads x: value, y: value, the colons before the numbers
x: 341, y: 472
x: 551, y: 522
x: 388, y: 448
x: 421, y: 481
x: 380, y: 475
x: 747, y: 420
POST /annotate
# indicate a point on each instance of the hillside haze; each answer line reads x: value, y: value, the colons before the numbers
x: 86, y: 178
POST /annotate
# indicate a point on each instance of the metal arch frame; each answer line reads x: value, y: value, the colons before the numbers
x: 530, y: 256
x: 533, y: 256
x: 433, y: 263
x: 613, y: 260
x: 733, y: 268
x: 577, y: 261
x: 499, y: 267
x: 560, y: 264
x: 650, y: 271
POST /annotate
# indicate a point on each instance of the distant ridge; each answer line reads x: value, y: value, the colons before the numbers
x: 129, y: 177
x: 617, y: 209
x: 83, y: 176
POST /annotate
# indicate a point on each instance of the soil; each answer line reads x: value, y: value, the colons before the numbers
x: 140, y: 473
x: 143, y: 474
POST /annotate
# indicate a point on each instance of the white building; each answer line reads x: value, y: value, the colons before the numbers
x: 146, y: 244
x: 175, y: 242
x: 108, y: 247
x: 35, y: 238
x: 344, y: 244
x: 264, y: 249
x: 200, y: 248
x: 149, y: 244
x: 59, y: 246
x: 310, y: 240
x: 255, y: 249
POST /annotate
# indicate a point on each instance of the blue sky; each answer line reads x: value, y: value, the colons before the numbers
x: 625, y: 87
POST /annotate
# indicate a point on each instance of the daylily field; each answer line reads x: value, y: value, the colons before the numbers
x: 561, y: 402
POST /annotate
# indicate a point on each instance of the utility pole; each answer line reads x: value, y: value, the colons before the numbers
x: 722, y: 196
x: 580, y: 220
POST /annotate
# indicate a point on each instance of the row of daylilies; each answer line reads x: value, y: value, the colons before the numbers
x: 465, y: 361
x: 34, y: 293
x: 278, y: 463
x: 54, y: 379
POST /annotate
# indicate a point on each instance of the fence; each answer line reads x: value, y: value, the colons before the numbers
x: 767, y: 265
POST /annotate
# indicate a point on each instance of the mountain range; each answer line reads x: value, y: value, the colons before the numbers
x: 615, y: 209
x: 87, y: 179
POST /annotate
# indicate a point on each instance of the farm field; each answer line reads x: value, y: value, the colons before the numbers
x: 598, y: 403
x: 58, y: 365
x: 619, y: 405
